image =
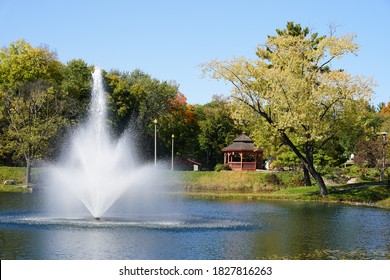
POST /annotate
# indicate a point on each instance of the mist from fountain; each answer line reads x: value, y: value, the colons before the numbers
x: 96, y: 168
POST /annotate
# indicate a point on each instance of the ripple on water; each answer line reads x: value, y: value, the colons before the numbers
x: 184, y: 223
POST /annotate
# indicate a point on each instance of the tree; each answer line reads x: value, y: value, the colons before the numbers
x: 384, y: 109
x: 368, y: 153
x: 126, y: 92
x: 217, y: 129
x: 76, y: 87
x: 136, y: 99
x: 181, y: 120
x: 30, y: 100
x: 290, y: 85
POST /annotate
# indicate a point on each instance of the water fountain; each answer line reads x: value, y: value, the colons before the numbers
x: 102, y: 173
x: 96, y: 168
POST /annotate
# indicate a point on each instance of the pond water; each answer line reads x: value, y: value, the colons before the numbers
x: 195, y: 229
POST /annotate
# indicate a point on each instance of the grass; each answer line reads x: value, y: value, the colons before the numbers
x: 12, y: 173
x: 18, y: 174
x: 384, y: 203
x: 15, y: 188
x: 279, y: 186
x: 239, y: 181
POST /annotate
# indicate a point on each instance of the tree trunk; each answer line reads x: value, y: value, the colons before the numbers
x: 310, y: 166
x: 307, y: 161
x: 28, y: 171
x: 319, y: 180
x: 321, y: 184
x: 306, y: 176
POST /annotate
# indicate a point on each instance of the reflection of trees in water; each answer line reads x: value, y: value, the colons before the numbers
x: 314, y: 231
x: 13, y: 243
x: 359, y: 254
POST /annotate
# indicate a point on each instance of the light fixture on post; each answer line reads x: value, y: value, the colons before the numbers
x: 173, y: 143
x: 155, y: 143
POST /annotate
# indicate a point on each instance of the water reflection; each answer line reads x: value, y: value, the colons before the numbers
x: 192, y: 229
x: 307, y: 228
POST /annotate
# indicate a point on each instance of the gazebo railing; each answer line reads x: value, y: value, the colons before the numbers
x: 242, y: 166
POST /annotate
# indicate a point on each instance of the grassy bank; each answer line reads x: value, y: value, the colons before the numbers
x: 279, y: 186
x: 17, y: 174
x: 240, y: 181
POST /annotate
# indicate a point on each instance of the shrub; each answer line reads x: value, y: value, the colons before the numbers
x: 295, y: 179
x: 219, y: 167
x: 272, y: 179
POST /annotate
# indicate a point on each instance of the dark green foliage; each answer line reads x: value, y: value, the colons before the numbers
x: 332, y: 154
x: 76, y: 87
x: 136, y: 100
x: 217, y: 130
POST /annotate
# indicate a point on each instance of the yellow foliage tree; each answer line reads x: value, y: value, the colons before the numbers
x: 291, y: 86
x: 30, y: 101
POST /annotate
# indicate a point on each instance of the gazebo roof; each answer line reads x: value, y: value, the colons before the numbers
x: 242, y: 144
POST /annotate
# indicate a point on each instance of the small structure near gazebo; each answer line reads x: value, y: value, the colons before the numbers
x: 243, y: 155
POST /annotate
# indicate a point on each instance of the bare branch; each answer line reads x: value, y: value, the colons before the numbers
x: 333, y: 28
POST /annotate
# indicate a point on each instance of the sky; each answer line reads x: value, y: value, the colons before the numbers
x: 170, y: 39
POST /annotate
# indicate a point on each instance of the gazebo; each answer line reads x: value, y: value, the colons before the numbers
x: 243, y: 155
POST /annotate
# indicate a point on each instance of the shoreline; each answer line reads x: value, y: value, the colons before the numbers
x: 280, y: 186
x: 262, y: 197
x: 242, y: 196
x: 249, y: 186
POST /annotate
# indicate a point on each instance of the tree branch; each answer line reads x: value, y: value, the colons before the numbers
x: 327, y: 107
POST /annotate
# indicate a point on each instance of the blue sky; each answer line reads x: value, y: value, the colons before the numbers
x: 170, y: 39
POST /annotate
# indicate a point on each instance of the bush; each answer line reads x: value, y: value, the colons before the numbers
x: 284, y: 179
x: 364, y: 173
x: 272, y: 179
x: 295, y: 179
x: 220, y: 167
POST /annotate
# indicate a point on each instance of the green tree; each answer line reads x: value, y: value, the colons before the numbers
x: 76, y: 87
x: 291, y: 86
x: 286, y: 158
x: 127, y: 91
x: 217, y: 129
x: 30, y: 100
x: 367, y: 129
x: 136, y: 99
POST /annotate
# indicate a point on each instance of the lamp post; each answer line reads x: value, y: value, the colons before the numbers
x: 173, y: 143
x: 384, y: 143
x: 155, y: 143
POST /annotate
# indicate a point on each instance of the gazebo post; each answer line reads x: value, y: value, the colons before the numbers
x: 255, y: 160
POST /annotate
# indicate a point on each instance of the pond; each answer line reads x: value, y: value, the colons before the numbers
x: 195, y: 229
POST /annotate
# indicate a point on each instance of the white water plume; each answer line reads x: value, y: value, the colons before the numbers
x: 95, y: 168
